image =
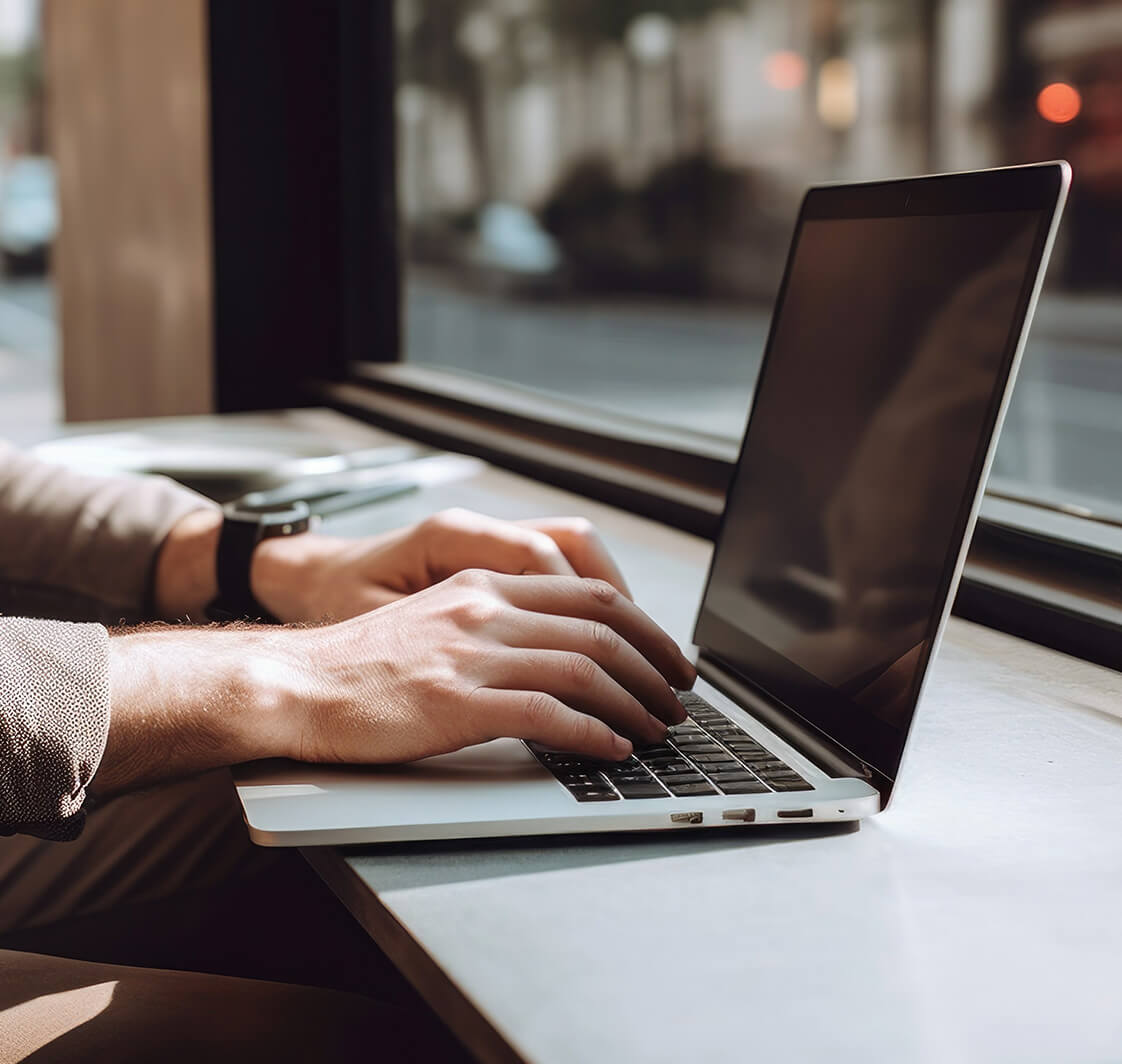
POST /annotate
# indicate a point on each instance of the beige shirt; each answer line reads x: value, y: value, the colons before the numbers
x: 76, y: 554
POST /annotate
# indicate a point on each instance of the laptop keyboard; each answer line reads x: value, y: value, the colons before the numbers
x: 707, y: 754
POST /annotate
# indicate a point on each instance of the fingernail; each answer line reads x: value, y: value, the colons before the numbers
x: 621, y: 747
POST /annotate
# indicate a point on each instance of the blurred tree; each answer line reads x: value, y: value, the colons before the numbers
x: 431, y: 55
x: 466, y: 50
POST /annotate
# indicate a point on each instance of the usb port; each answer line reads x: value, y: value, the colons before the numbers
x: 794, y: 814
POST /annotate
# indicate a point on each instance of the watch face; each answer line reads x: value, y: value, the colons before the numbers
x: 275, y: 520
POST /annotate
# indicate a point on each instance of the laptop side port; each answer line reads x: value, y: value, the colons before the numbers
x: 686, y: 818
x: 746, y: 816
x: 794, y: 814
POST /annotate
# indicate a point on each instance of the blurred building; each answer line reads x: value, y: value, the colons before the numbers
x: 562, y: 107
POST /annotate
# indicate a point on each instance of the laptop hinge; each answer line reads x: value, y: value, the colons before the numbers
x: 831, y: 758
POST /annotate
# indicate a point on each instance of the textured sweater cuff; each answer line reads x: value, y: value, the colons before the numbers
x: 54, y: 721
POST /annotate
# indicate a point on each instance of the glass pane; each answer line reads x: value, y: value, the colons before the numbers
x: 597, y: 195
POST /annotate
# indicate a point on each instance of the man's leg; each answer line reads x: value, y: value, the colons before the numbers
x: 168, y: 878
x: 54, y: 1009
x: 136, y: 849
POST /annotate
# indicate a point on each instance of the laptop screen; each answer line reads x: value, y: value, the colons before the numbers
x: 889, y: 354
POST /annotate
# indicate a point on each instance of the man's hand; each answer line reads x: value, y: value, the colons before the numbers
x: 568, y: 662
x: 310, y: 577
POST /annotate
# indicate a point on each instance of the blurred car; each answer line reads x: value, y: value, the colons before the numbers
x: 28, y: 215
x: 510, y: 252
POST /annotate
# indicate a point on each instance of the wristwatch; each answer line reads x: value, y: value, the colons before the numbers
x: 243, y: 527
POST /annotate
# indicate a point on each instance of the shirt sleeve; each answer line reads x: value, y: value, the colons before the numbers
x: 54, y: 719
x: 80, y: 547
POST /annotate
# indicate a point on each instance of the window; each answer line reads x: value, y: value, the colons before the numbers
x: 596, y: 198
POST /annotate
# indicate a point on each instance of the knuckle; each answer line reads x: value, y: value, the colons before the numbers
x: 582, y: 527
x: 581, y: 670
x: 540, y: 711
x: 540, y: 549
x: 602, y: 592
x: 453, y: 517
x: 475, y: 578
x: 474, y: 612
x: 604, y: 638
x: 585, y: 732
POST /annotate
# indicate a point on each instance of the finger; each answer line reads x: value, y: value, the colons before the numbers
x: 603, y: 645
x: 581, y: 684
x: 597, y: 600
x: 541, y: 718
x: 581, y: 544
x: 467, y: 540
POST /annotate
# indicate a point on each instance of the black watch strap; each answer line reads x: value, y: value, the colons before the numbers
x: 241, y: 531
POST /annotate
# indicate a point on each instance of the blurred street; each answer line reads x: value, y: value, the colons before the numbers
x: 693, y: 366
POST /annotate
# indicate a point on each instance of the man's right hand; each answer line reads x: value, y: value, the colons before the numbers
x: 568, y: 662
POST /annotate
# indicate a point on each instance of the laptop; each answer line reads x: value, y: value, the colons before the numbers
x: 893, y: 348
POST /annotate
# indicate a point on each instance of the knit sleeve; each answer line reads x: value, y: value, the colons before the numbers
x: 54, y: 719
x: 79, y: 547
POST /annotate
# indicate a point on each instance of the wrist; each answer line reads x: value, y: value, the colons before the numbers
x: 185, y: 579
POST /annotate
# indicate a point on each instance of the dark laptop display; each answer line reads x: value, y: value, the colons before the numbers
x: 890, y: 349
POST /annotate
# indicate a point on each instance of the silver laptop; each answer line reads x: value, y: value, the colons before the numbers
x: 893, y: 348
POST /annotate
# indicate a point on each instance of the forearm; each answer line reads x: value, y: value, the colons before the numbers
x: 186, y: 700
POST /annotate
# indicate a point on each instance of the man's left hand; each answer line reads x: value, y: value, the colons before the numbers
x: 312, y: 577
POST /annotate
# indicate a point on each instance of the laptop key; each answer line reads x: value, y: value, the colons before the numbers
x: 791, y: 785
x: 692, y: 776
x: 591, y: 795
x: 743, y: 787
x: 690, y: 790
x: 642, y: 790
x: 757, y: 764
x: 694, y: 748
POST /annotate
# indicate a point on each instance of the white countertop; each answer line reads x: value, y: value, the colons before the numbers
x: 978, y: 919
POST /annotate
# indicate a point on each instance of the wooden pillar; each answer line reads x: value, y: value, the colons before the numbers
x: 128, y: 125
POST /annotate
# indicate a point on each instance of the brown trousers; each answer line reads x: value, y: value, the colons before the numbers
x: 95, y: 936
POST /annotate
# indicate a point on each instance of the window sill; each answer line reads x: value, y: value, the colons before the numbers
x: 1052, y: 577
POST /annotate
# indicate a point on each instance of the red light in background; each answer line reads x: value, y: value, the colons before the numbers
x: 1058, y: 102
x: 785, y: 70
